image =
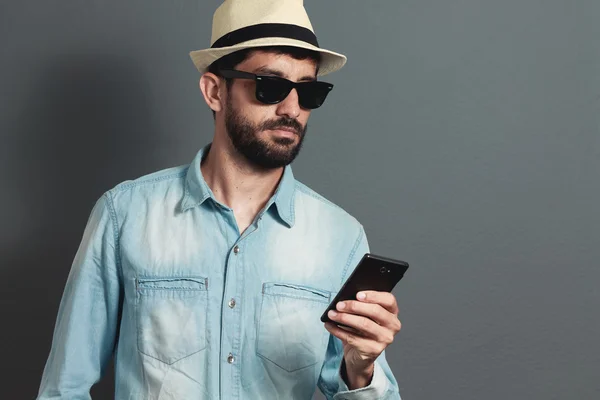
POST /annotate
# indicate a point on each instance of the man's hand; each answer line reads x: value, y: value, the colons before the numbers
x: 373, y: 320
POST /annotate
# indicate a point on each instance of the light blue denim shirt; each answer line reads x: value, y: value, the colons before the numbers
x: 191, y: 309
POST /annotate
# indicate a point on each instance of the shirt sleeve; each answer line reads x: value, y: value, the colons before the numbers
x: 383, y: 386
x: 86, y: 325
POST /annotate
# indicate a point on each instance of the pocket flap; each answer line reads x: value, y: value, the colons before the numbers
x: 296, y: 291
x: 172, y: 283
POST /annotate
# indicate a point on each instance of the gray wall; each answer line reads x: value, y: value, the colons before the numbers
x: 463, y: 134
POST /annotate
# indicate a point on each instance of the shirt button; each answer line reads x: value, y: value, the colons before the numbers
x: 231, y: 303
x: 236, y: 249
x: 230, y: 358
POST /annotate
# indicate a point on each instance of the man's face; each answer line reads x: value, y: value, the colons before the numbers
x: 268, y: 135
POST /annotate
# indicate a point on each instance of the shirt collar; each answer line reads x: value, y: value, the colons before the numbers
x: 197, y: 190
x: 284, y: 197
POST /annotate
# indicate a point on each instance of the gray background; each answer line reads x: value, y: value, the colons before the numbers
x: 463, y: 134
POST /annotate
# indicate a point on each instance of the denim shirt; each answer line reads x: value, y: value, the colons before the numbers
x: 192, y: 309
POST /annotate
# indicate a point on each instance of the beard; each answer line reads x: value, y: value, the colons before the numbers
x: 262, y: 153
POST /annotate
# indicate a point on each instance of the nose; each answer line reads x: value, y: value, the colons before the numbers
x: 289, y: 107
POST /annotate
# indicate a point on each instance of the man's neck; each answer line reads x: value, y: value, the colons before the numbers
x: 238, y: 184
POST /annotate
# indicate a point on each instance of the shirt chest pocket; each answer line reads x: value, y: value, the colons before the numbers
x: 290, y: 333
x: 171, y: 317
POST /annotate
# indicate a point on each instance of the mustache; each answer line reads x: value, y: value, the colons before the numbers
x: 283, y: 123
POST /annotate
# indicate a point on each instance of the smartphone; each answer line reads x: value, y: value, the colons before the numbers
x: 372, y: 273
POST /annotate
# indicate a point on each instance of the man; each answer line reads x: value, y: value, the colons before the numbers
x: 207, y: 281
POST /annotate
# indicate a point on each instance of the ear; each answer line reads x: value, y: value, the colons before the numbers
x: 210, y: 85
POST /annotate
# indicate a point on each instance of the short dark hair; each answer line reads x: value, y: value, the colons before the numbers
x: 234, y: 59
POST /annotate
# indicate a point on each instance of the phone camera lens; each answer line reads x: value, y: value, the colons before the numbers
x: 382, y: 270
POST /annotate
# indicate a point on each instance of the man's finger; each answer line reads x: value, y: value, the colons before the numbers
x: 365, y: 326
x: 384, y: 299
x: 372, y: 311
x: 362, y: 344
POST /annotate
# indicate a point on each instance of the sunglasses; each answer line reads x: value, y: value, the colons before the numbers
x: 274, y: 89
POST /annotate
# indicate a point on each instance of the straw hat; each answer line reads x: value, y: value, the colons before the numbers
x: 243, y: 24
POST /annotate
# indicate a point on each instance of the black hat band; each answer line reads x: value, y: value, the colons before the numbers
x: 266, y: 30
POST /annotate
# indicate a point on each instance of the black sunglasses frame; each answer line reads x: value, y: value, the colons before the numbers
x: 316, y: 90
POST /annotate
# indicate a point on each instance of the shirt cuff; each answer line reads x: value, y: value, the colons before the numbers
x: 375, y: 390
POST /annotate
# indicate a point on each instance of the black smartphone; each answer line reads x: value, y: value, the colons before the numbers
x: 372, y: 273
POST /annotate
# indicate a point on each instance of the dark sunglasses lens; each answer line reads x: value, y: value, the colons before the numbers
x: 312, y: 94
x: 272, y: 90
